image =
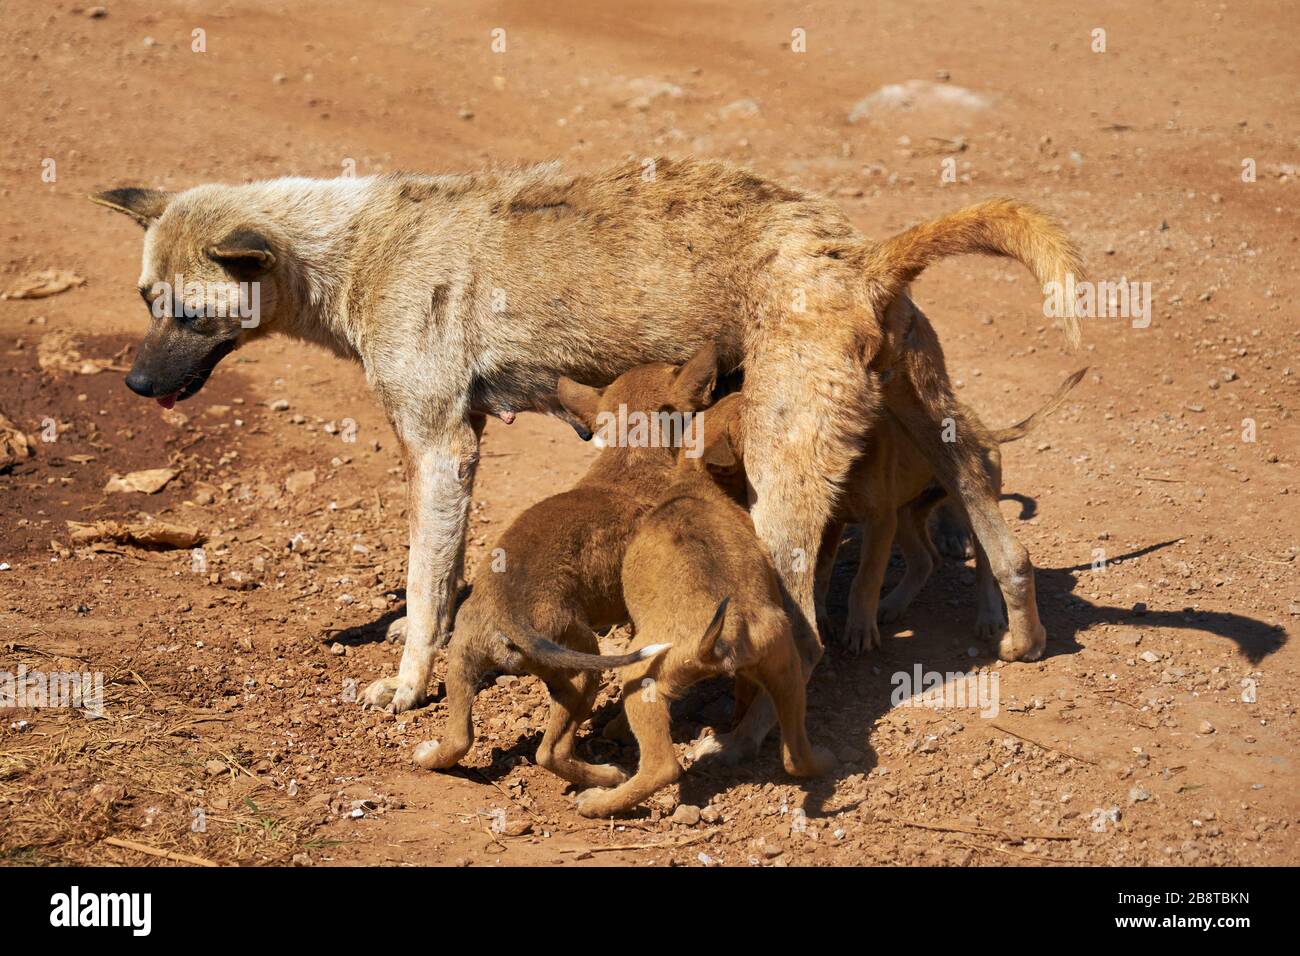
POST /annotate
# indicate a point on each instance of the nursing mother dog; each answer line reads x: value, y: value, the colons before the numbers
x: 467, y: 296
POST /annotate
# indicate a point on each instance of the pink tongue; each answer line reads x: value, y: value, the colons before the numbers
x: 167, y: 401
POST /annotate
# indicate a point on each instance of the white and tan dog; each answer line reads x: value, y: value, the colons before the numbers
x: 464, y: 296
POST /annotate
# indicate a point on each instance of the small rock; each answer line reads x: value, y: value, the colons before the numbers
x: 1205, y: 727
x: 1138, y: 795
x: 300, y: 481
x: 214, y: 767
x: 687, y: 815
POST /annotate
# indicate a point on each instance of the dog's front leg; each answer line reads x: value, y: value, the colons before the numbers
x: 440, y: 476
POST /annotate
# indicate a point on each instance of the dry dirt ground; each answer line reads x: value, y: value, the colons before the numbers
x: 1161, y: 725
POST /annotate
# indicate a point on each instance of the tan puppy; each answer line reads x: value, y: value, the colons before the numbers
x: 696, y: 557
x: 891, y: 492
x: 560, y: 581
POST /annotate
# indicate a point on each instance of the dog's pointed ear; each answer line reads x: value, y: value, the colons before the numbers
x: 693, y: 383
x: 580, y: 401
x: 142, y: 205
x: 245, y: 253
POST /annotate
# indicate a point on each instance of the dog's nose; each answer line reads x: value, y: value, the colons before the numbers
x: 140, y: 383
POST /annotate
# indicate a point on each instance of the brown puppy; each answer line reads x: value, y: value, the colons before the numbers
x: 553, y: 577
x: 696, y: 556
x: 891, y: 491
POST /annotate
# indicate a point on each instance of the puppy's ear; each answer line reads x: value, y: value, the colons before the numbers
x: 693, y: 382
x: 580, y: 401
x: 142, y: 205
x: 719, y: 451
x: 244, y: 253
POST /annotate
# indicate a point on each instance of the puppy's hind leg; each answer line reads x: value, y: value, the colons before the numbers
x: 466, y: 664
x: 862, y: 632
x: 648, y: 717
x: 572, y: 697
x: 990, y: 616
x: 778, y: 673
x: 910, y: 538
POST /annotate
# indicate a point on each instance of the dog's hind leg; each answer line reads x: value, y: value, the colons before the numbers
x: 440, y: 474
x: 919, y: 396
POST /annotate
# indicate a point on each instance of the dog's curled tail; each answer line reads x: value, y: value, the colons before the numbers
x: 1023, y: 427
x: 547, y: 652
x: 999, y: 227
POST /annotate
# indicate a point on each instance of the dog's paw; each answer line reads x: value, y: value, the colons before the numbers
x: 387, y: 693
x: 726, y: 749
x: 1026, y: 646
x: 861, y: 633
x: 380, y: 693
x: 396, y: 633
x: 406, y: 698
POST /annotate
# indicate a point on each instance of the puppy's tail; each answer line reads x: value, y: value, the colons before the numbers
x: 1022, y: 428
x: 547, y: 652
x: 708, y: 643
x: 1000, y: 227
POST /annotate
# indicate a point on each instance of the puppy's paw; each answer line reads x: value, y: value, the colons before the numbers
x: 618, y: 730
x: 603, y: 775
x: 428, y: 755
x: 951, y: 536
x: 396, y: 633
x: 891, y: 612
x: 595, y: 803
x: 822, y: 762
x: 726, y: 749
x: 861, y: 633
x: 379, y: 694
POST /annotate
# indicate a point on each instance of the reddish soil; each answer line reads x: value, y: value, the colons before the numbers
x: 1167, y: 693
